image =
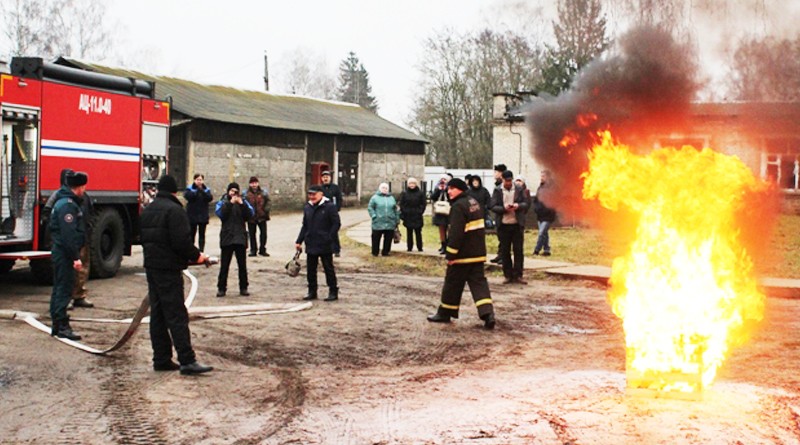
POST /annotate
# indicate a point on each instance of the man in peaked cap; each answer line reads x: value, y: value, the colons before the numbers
x: 320, y: 225
x: 67, y: 229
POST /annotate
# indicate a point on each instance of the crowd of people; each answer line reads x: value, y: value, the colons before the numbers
x: 462, y: 210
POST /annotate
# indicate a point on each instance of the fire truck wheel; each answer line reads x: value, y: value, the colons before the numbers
x: 108, y: 241
x: 6, y: 265
x: 42, y: 271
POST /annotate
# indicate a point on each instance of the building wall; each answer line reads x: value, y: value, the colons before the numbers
x: 392, y: 168
x: 282, y: 170
x: 512, y: 147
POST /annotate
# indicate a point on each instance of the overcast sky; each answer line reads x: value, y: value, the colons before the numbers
x: 223, y: 43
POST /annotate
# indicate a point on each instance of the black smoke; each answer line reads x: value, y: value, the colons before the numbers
x: 641, y: 90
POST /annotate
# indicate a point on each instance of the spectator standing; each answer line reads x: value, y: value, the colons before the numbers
x: 479, y: 193
x: 320, y: 224
x: 498, y: 181
x: 510, y: 203
x: 382, y: 209
x: 197, y: 196
x: 67, y: 229
x: 412, y: 206
x: 334, y: 194
x: 234, y: 212
x: 439, y: 220
x: 544, y: 214
x: 260, y: 202
x: 466, y: 255
x: 520, y: 182
x: 168, y: 249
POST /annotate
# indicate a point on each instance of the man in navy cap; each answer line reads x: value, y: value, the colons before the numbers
x: 465, y: 254
x: 320, y: 225
x: 67, y: 229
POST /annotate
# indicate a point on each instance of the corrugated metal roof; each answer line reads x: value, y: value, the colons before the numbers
x: 231, y: 105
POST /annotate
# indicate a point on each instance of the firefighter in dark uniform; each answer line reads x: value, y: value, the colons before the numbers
x: 465, y: 255
x: 168, y: 249
x: 67, y: 230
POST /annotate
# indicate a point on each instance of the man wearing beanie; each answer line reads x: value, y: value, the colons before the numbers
x: 498, y: 181
x: 260, y: 202
x: 234, y: 213
x: 67, y: 230
x: 465, y: 254
x: 510, y: 204
x: 168, y: 249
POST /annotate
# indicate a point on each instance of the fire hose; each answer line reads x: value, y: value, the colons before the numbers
x: 140, y: 316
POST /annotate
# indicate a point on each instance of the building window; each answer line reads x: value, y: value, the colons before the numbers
x: 780, y: 163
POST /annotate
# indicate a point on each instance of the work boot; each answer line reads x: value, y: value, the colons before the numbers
x: 333, y: 294
x: 311, y: 295
x: 63, y: 330
x: 263, y: 252
x: 195, y: 368
x: 82, y: 302
x: 252, y: 253
x: 439, y: 318
x: 489, y: 321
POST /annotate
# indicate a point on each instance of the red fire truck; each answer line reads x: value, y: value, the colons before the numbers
x: 55, y: 117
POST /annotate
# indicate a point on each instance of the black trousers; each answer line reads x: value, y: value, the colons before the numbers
x: 410, y: 238
x: 335, y: 244
x: 262, y: 236
x: 225, y: 264
x: 511, y: 236
x: 388, y: 237
x: 199, y: 229
x: 63, y: 283
x: 169, y: 319
x: 459, y: 274
x: 327, y: 265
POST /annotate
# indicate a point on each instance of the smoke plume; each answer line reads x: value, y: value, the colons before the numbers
x: 643, y: 88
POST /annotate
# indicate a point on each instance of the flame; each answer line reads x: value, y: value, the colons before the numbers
x: 685, y: 290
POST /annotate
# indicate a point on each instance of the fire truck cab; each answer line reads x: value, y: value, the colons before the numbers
x: 55, y: 117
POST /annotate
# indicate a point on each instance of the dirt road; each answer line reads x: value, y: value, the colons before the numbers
x: 369, y: 369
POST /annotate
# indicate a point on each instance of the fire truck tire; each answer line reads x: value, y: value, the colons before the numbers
x: 6, y: 265
x: 42, y: 271
x: 108, y: 242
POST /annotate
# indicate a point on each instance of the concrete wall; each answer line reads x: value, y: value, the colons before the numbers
x: 392, y: 168
x: 280, y: 169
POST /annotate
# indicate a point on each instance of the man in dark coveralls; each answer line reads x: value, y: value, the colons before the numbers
x: 168, y: 249
x: 465, y: 255
x: 67, y: 230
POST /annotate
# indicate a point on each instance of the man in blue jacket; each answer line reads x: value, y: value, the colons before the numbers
x: 320, y: 226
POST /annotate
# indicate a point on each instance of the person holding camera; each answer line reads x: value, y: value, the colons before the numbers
x: 234, y: 213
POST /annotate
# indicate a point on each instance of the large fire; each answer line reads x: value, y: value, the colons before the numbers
x: 685, y: 289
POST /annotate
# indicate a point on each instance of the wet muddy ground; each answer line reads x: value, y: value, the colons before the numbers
x: 369, y: 369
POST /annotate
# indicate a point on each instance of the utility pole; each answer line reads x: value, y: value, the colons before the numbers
x: 266, y: 72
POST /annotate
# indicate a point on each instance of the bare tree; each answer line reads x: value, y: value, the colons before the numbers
x: 766, y: 70
x: 305, y: 73
x: 49, y: 28
x: 460, y: 73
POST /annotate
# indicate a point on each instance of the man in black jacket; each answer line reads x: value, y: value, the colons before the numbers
x: 320, y: 225
x: 234, y: 211
x: 510, y: 204
x: 465, y: 255
x: 498, y: 181
x: 168, y: 249
x: 334, y: 194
